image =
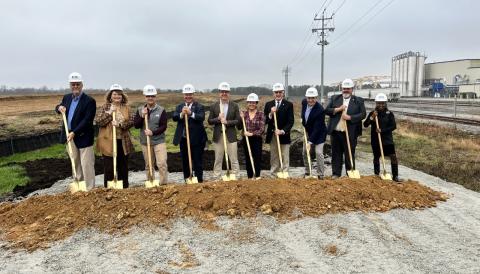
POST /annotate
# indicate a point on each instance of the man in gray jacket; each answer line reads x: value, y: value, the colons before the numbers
x: 230, y: 117
x: 157, y: 125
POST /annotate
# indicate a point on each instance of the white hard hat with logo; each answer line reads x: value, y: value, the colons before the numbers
x: 381, y: 97
x: 348, y: 83
x: 278, y: 87
x: 311, y: 92
x: 252, y: 97
x: 116, y: 87
x: 149, y: 90
x: 188, y: 88
x: 75, y: 77
x: 224, y: 86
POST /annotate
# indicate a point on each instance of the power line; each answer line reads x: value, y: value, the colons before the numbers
x: 307, y: 38
x: 364, y: 24
x: 356, y: 21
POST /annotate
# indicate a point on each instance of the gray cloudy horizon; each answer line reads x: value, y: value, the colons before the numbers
x: 168, y: 44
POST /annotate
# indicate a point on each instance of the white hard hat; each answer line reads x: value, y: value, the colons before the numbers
x: 116, y: 87
x: 75, y: 77
x: 224, y: 86
x: 348, y: 83
x: 188, y: 88
x: 381, y: 97
x: 149, y: 90
x: 278, y: 87
x: 311, y: 92
x: 252, y: 97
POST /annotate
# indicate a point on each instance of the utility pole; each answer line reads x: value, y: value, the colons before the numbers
x: 286, y: 71
x: 323, y: 42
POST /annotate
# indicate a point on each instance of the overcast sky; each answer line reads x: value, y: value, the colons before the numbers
x: 204, y: 42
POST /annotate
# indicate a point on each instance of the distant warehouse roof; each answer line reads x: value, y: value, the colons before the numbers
x: 458, y: 60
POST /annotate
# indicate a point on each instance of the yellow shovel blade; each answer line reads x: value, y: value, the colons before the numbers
x: 354, y: 174
x: 150, y: 184
x: 229, y: 177
x: 282, y: 175
x: 115, y: 184
x: 310, y: 177
x: 192, y: 180
x: 77, y: 186
x: 386, y: 176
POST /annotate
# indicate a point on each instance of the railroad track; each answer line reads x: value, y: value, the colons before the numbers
x: 456, y: 120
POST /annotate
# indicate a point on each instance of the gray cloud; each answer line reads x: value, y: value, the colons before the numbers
x: 169, y: 43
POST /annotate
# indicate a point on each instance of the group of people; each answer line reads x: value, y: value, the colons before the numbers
x: 346, y: 112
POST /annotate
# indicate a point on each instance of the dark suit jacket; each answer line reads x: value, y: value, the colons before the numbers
x: 198, y: 135
x: 356, y: 109
x: 82, y: 120
x: 285, y: 121
x: 233, y: 118
x: 315, y: 126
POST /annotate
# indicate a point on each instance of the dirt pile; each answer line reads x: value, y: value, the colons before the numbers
x: 35, y: 222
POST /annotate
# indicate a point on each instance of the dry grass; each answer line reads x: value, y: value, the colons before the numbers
x: 440, y: 151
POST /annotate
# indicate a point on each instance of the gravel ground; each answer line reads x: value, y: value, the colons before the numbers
x: 445, y: 239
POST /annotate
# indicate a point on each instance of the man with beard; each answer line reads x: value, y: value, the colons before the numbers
x: 349, y: 108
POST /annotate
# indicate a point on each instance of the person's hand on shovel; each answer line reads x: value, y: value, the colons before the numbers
x: 379, y: 130
x: 186, y: 110
x: 308, y: 146
x: 70, y: 136
x: 144, y: 112
x: 279, y: 132
x: 148, y: 132
x: 62, y: 109
x: 221, y: 116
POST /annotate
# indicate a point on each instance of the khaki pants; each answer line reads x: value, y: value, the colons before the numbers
x: 159, y: 155
x: 84, y: 164
x: 275, y: 161
x: 320, y: 159
x: 220, y: 154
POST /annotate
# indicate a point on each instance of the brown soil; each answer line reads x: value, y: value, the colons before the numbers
x: 37, y: 221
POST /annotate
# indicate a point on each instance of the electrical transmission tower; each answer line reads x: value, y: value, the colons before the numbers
x: 323, y: 42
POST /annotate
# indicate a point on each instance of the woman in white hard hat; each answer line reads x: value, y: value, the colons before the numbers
x: 115, y: 101
x: 255, y: 123
x: 157, y: 125
x: 387, y: 124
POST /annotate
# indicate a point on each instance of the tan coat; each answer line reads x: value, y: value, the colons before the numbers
x: 105, y: 133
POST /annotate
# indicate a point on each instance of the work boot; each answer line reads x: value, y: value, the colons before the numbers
x: 306, y: 175
x: 395, y: 174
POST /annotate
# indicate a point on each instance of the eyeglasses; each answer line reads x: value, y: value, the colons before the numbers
x: 276, y: 92
x: 75, y: 84
x: 150, y: 96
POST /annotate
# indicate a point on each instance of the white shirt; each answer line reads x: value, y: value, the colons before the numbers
x: 340, y: 125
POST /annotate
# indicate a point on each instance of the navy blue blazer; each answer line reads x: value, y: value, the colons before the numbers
x: 82, y: 120
x: 315, y: 126
x: 198, y: 135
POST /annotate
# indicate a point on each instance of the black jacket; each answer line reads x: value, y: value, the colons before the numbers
x: 198, y: 136
x: 315, y: 126
x: 285, y: 121
x: 356, y: 109
x: 387, y: 124
x: 82, y: 120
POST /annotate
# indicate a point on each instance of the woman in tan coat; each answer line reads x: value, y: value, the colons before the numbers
x: 115, y: 101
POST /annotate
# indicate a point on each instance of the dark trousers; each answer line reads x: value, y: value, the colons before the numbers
x: 340, y: 151
x: 256, y: 148
x: 389, y: 151
x: 197, y: 159
x: 122, y: 166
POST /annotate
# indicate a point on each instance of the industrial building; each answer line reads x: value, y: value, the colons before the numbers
x: 408, y: 73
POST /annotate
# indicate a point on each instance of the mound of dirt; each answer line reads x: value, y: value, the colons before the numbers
x: 36, y: 221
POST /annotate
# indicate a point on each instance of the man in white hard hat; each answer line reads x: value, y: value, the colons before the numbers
x: 387, y: 124
x: 230, y: 117
x: 285, y: 120
x: 80, y: 111
x: 157, y: 125
x: 195, y: 113
x: 349, y: 108
x: 313, y: 119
